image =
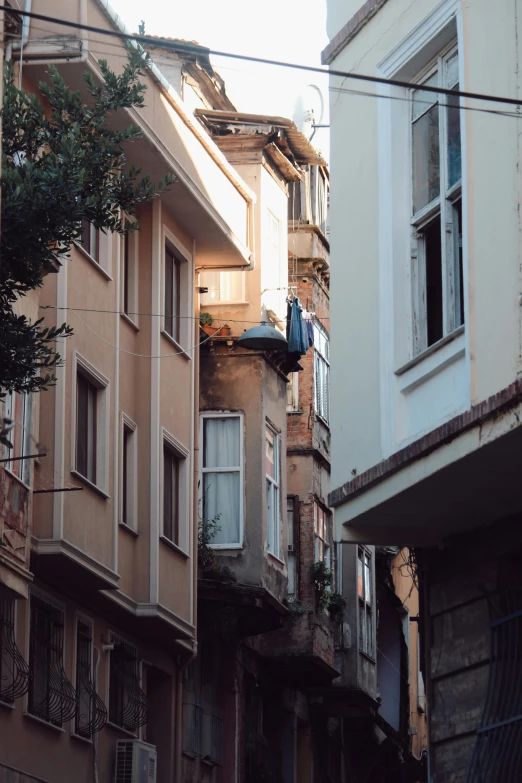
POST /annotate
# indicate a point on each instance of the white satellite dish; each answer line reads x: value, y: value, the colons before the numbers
x: 309, y: 109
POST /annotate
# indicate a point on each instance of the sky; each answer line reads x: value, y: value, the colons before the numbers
x: 289, y: 30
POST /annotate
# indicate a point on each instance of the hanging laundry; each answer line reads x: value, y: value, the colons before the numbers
x: 298, y: 341
x: 309, y: 327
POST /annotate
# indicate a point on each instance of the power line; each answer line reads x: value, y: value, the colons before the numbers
x: 179, y: 46
x: 341, y: 90
x: 158, y: 315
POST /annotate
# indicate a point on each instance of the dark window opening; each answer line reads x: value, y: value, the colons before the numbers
x: 170, y: 496
x: 434, y: 298
x: 86, y: 428
x: 172, y: 294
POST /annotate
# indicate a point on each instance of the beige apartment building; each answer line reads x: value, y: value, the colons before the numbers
x: 97, y: 564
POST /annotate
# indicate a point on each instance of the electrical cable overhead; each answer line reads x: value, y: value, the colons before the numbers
x: 156, y: 315
x: 179, y: 46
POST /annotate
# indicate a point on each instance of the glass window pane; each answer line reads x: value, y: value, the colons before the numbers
x: 368, y: 581
x: 458, y: 269
x: 452, y: 72
x: 91, y: 434
x: 360, y: 586
x: 434, y: 292
x: 270, y: 515
x: 221, y: 442
x: 454, y: 152
x: 422, y: 100
x: 169, y: 304
x: 270, y: 454
x: 290, y: 521
x: 369, y: 633
x: 426, y: 159
x: 231, y: 286
x: 221, y: 497
x: 81, y: 425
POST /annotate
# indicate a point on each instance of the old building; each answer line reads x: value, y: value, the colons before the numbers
x: 98, y: 508
x: 426, y: 394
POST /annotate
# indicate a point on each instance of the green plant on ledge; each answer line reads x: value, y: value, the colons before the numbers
x: 336, y: 605
x: 322, y: 581
x: 207, y: 560
x: 205, y: 319
x: 295, y: 606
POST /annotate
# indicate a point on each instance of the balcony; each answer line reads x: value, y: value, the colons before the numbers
x: 301, y: 653
x: 257, y: 611
x: 462, y: 475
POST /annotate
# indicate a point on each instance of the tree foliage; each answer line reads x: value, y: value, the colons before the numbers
x: 63, y: 162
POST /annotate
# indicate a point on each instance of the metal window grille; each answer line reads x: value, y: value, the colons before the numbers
x: 14, y: 671
x: 91, y: 713
x: 51, y: 696
x: 128, y: 706
x: 192, y: 714
x: 213, y: 735
x: 262, y: 762
x: 497, y: 755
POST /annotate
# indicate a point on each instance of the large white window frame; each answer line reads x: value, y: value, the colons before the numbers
x: 221, y: 287
x: 437, y: 287
x: 239, y: 469
x: 273, y: 490
x: 321, y: 372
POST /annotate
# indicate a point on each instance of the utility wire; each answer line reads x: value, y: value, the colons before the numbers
x: 179, y: 46
x: 159, y: 315
x: 158, y: 60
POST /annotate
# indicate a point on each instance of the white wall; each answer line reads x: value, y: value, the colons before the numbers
x: 375, y: 410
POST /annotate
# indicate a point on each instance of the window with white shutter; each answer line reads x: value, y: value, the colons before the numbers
x: 321, y: 372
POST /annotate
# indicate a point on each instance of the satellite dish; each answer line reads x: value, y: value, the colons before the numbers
x: 309, y: 109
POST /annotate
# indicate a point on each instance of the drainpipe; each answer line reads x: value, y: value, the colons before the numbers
x: 26, y: 22
x: 178, y: 715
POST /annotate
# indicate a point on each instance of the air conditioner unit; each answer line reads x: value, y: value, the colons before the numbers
x: 135, y: 762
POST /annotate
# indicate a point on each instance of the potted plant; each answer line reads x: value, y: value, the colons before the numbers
x: 225, y: 330
x: 206, y: 321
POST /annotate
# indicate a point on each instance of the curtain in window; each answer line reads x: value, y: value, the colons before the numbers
x: 221, y: 488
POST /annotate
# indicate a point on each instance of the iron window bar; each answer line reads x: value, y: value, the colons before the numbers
x: 91, y: 712
x: 14, y: 670
x: 128, y: 705
x: 51, y: 696
x: 497, y: 754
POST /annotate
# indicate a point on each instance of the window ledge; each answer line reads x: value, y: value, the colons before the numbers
x: 432, y: 361
x: 129, y: 529
x: 227, y: 304
x: 226, y: 546
x: 18, y: 479
x: 174, y: 546
x: 6, y: 705
x: 129, y: 321
x: 295, y: 413
x: 80, y: 738
x: 181, y: 350
x: 367, y: 656
x: 276, y: 558
x: 43, y: 722
x: 93, y: 261
x: 115, y: 726
x: 90, y: 484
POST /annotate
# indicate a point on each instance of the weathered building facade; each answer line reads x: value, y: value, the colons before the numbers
x: 98, y: 566
x: 425, y: 382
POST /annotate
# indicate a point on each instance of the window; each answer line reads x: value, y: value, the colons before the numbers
x: 86, y: 427
x: 172, y: 294
x: 14, y: 671
x: 128, y: 706
x: 91, y: 713
x: 222, y: 476
x: 90, y: 240
x: 192, y: 712
x: 128, y: 473
x: 365, y: 593
x: 437, y: 205
x: 292, y: 519
x: 322, y: 535
x: 292, y: 393
x: 129, y: 273
x: 223, y: 287
x: 273, y: 511
x: 51, y: 696
x: 18, y: 408
x: 171, y: 471
x: 274, y: 268
x: 321, y: 372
